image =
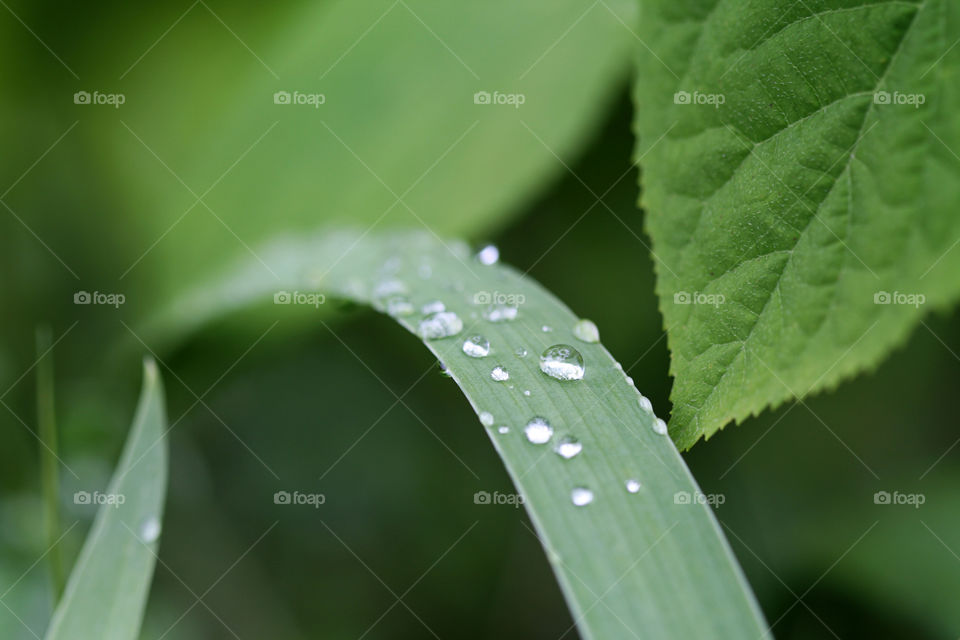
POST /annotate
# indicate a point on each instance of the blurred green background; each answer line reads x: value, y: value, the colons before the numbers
x: 106, y: 199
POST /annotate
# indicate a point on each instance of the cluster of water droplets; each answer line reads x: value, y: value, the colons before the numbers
x: 560, y: 361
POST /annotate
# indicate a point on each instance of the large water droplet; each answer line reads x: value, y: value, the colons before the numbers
x: 633, y: 486
x: 399, y: 306
x: 476, y: 346
x: 434, y: 306
x: 538, y: 430
x: 645, y: 404
x: 563, y: 362
x: 499, y: 374
x: 586, y: 330
x: 440, y: 325
x: 660, y: 427
x: 150, y: 529
x: 568, y: 447
x: 500, y: 312
x: 581, y: 496
x: 489, y: 255
x: 486, y: 418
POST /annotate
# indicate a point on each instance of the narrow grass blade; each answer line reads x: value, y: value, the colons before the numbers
x: 49, y: 464
x: 648, y: 561
x: 107, y: 590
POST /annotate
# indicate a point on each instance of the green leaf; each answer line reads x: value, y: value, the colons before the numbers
x: 794, y: 183
x: 397, y: 139
x: 108, y: 587
x: 629, y: 564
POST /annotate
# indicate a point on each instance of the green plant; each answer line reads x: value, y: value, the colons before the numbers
x: 798, y: 180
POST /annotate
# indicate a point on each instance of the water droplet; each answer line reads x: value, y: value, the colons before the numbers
x: 489, y: 255
x: 538, y: 430
x: 581, y: 496
x: 586, y: 330
x: 150, y: 529
x: 526, y: 392
x: 399, y: 306
x: 618, y: 366
x: 633, y: 486
x: 563, y: 362
x: 486, y: 418
x: 660, y: 427
x: 476, y: 346
x: 629, y: 381
x: 520, y: 352
x: 440, y: 325
x: 434, y: 306
x: 499, y: 374
x: 503, y: 429
x: 500, y: 312
x: 568, y: 447
x: 444, y: 369
x: 645, y: 404
x: 546, y: 328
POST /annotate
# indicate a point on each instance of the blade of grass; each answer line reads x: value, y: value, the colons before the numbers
x: 49, y: 469
x: 107, y: 590
x: 651, y: 563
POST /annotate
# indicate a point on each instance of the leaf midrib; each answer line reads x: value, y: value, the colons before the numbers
x: 846, y: 167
